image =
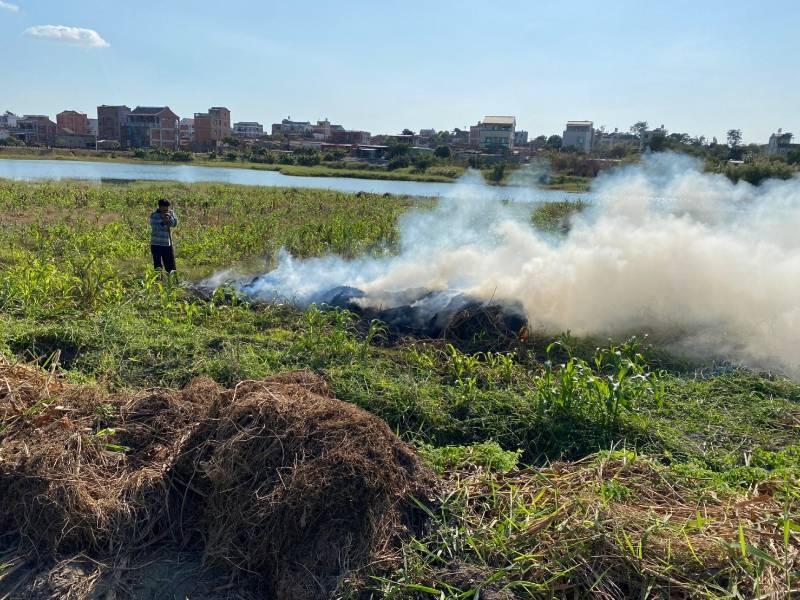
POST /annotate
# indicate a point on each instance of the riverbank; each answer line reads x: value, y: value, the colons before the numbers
x: 446, y: 174
x: 434, y: 174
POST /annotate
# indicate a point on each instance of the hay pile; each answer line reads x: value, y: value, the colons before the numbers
x: 275, y: 483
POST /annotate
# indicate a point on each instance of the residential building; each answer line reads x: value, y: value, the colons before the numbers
x: 211, y: 128
x: 348, y: 136
x: 578, y: 134
x: 647, y: 136
x: 8, y: 120
x: 780, y: 144
x: 605, y: 139
x: 293, y: 128
x: 521, y: 138
x: 475, y: 134
x: 66, y: 139
x: 151, y: 127
x: 110, y: 121
x: 186, y: 135
x: 248, y: 129
x: 92, y: 127
x: 401, y: 138
x: 36, y: 130
x: 322, y: 130
x: 73, y: 122
x: 496, y: 132
x: 460, y: 137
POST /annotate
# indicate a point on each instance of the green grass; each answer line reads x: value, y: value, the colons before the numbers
x: 659, y: 513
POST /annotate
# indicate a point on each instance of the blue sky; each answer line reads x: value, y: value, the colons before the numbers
x: 696, y: 66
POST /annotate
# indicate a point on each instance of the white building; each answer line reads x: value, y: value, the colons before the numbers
x: 248, y: 129
x: 780, y: 144
x: 648, y: 135
x: 8, y: 120
x: 578, y: 134
x: 186, y: 132
x: 497, y: 131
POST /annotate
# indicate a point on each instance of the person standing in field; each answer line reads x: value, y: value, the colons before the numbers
x: 162, y: 220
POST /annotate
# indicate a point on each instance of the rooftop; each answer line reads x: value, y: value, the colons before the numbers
x: 499, y: 120
x: 580, y: 123
x: 148, y: 110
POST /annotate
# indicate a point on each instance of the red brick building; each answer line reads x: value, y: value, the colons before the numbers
x: 36, y: 130
x: 73, y: 121
x: 211, y: 128
x: 151, y: 127
x: 110, y: 121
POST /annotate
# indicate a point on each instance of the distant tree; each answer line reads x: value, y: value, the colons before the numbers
x: 407, y: 132
x: 658, y: 142
x: 639, y: 128
x: 793, y: 157
x: 395, y: 150
x: 442, y: 152
x: 497, y: 173
x: 681, y: 138
x: 421, y: 162
x: 734, y: 137
x: 554, y: 142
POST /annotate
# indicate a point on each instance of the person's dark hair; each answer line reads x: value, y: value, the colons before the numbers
x: 163, y: 202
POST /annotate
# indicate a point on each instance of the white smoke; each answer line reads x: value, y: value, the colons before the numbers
x: 664, y: 248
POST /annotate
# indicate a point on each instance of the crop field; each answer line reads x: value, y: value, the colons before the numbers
x: 549, y: 466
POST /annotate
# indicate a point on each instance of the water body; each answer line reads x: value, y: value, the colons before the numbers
x: 56, y: 170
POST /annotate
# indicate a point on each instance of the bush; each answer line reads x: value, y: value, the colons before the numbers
x: 308, y: 159
x: 759, y: 170
x: 442, y: 152
x: 286, y: 159
x: 182, y: 156
x: 399, y: 162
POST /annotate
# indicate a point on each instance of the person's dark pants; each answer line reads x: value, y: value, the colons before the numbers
x: 163, y: 257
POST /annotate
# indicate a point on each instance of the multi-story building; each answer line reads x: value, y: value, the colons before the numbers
x: 151, y: 127
x: 291, y: 128
x: 322, y: 130
x: 248, y: 129
x: 494, y: 132
x: 606, y: 139
x: 73, y: 121
x: 647, y: 136
x: 186, y: 127
x: 8, y: 120
x: 521, y: 138
x: 578, y: 134
x: 92, y: 127
x: 780, y: 144
x: 348, y: 136
x: 110, y: 121
x: 36, y: 130
x: 211, y: 128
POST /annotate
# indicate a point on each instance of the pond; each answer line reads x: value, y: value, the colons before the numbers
x: 55, y: 170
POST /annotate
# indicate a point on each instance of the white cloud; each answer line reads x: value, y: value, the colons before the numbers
x: 9, y: 6
x: 78, y: 36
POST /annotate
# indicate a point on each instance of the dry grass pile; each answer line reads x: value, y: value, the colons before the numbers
x: 285, y: 488
x: 622, y: 527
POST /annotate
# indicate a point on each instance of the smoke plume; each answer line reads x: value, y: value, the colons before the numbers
x: 712, y: 266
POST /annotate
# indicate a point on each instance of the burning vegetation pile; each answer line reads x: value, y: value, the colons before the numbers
x: 274, y: 483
